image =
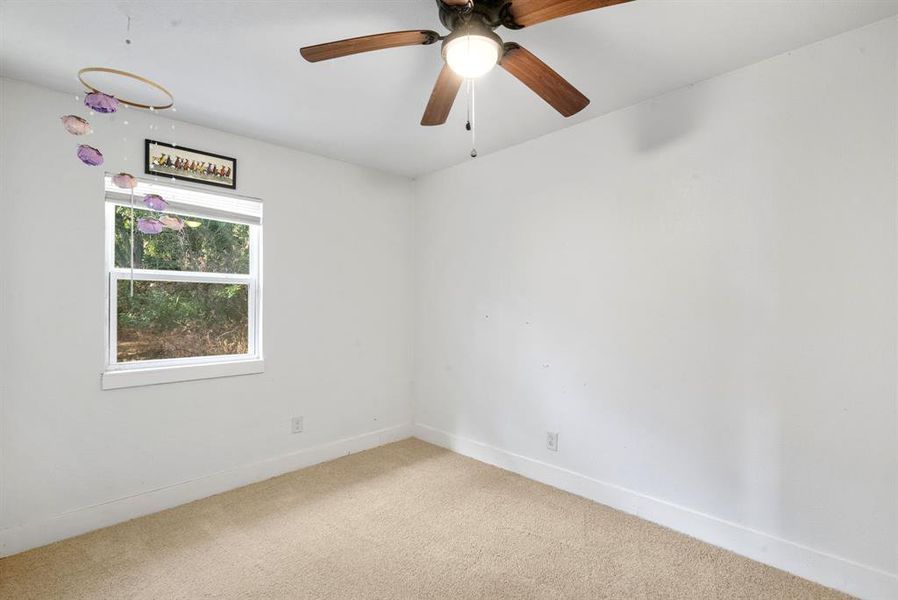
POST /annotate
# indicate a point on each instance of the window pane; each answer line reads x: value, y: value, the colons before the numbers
x: 180, y: 319
x: 201, y: 245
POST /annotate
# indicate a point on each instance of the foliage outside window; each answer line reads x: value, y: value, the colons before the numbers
x: 194, y: 294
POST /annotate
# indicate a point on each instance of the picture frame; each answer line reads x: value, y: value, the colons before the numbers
x: 189, y: 164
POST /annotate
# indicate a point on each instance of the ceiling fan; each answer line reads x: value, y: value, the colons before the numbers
x: 472, y: 49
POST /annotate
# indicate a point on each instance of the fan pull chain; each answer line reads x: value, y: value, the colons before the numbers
x: 470, y: 125
x: 468, y: 104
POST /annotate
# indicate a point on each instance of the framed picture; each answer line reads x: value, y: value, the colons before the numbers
x: 189, y: 164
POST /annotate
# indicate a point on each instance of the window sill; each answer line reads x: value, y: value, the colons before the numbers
x: 113, y: 380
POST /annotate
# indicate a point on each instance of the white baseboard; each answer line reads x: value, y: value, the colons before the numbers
x: 832, y: 571
x: 31, y: 535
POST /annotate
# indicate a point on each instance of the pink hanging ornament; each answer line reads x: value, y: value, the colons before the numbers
x: 75, y: 125
x: 172, y: 223
x: 126, y: 181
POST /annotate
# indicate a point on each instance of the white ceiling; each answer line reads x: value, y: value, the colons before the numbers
x: 235, y: 66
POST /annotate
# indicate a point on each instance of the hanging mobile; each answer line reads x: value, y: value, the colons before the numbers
x: 152, y: 97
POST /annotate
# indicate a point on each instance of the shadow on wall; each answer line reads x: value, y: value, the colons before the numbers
x: 656, y: 128
x: 653, y: 128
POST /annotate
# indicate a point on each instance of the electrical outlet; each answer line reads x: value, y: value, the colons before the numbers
x: 296, y: 425
x: 552, y: 440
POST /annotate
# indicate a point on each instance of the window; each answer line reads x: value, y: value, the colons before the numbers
x: 185, y: 303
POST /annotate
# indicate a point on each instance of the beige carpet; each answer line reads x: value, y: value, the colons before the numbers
x: 408, y: 520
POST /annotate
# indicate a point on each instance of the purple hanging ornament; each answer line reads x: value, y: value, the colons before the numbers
x: 90, y: 155
x: 100, y: 102
x: 155, y: 202
x: 75, y: 125
x: 149, y: 226
x: 172, y: 223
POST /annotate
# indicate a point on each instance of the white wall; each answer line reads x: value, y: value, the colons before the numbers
x: 698, y: 293
x: 337, y: 276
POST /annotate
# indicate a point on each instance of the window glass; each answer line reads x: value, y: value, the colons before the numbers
x: 193, y: 294
x: 165, y: 319
x: 201, y: 245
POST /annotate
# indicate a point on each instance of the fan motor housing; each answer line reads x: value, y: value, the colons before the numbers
x: 490, y: 13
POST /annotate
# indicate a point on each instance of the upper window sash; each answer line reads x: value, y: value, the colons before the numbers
x: 191, y: 202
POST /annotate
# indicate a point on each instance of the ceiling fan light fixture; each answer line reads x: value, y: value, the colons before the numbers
x: 473, y: 55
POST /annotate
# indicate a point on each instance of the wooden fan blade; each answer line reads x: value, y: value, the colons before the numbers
x: 525, y: 13
x: 367, y: 43
x: 442, y: 97
x: 539, y: 77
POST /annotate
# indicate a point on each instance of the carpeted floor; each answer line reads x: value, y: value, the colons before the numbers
x: 408, y: 520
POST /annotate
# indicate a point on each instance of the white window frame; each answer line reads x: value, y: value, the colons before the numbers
x: 148, y: 372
